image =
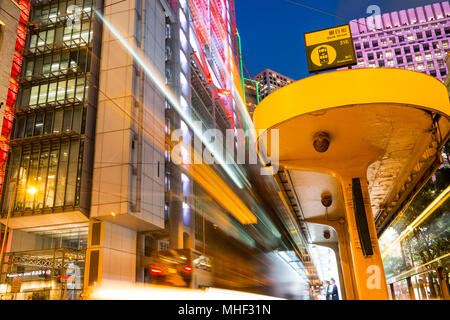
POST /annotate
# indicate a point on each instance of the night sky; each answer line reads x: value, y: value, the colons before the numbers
x: 272, y: 30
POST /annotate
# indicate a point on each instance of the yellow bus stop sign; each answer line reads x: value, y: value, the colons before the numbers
x: 329, y: 48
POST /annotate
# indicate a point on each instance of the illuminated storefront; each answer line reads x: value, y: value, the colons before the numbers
x: 416, y: 245
x: 45, y: 263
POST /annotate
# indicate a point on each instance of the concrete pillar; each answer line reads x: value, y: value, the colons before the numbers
x: 368, y: 267
x: 140, y: 251
x: 346, y: 261
x: 176, y: 225
x: 111, y: 254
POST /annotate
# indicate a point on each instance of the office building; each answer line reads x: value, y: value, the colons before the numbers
x: 270, y: 81
x: 251, y: 95
x: 89, y: 175
x: 413, y: 39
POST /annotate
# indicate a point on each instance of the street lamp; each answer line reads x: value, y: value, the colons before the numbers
x: 32, y: 190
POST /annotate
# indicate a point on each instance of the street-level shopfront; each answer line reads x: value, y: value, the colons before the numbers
x: 44, y: 263
x: 416, y: 245
x: 49, y: 274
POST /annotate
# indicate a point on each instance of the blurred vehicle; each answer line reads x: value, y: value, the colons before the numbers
x: 180, y: 268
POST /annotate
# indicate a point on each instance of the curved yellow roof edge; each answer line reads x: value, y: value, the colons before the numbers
x: 351, y: 87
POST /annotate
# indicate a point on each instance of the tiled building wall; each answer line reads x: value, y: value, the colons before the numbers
x: 115, y: 174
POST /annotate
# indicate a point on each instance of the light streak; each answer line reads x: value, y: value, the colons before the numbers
x: 436, y: 203
x: 112, y: 290
x: 169, y: 95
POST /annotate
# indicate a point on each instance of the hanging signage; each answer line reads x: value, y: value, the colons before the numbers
x: 329, y: 48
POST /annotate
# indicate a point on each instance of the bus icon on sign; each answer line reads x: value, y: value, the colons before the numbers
x: 323, y: 55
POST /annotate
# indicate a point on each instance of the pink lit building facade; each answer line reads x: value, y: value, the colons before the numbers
x: 414, y: 39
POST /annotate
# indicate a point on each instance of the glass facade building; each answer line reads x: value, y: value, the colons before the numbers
x: 413, y: 39
x: 47, y: 144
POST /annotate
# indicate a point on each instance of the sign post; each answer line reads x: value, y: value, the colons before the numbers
x: 329, y: 48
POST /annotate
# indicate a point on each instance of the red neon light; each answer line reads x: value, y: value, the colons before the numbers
x: 13, y: 86
x: 207, y: 74
x: 188, y: 268
x: 225, y: 92
x: 224, y: 108
x: 156, y: 270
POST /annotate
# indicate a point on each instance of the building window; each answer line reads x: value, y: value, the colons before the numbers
x: 389, y: 54
x: 420, y: 66
x: 410, y: 37
x: 54, y: 121
x: 419, y: 57
x: 51, y: 94
x: 47, y: 175
x: 390, y: 63
x: 381, y: 63
x: 167, y: 126
x: 428, y: 55
x: 167, y: 181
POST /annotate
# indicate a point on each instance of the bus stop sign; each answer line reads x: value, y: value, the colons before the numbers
x: 329, y: 48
